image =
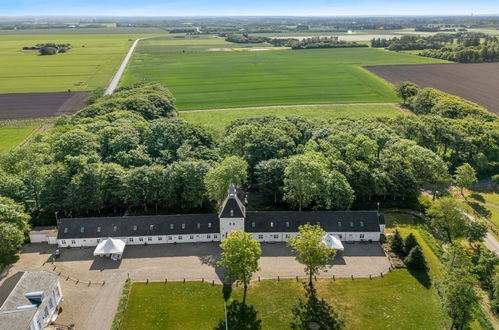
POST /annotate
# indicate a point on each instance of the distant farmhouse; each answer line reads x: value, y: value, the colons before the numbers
x: 29, y: 300
x: 265, y: 226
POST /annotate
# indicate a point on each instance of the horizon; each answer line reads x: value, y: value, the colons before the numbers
x: 257, y: 8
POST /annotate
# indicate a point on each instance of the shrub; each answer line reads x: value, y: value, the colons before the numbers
x: 409, y: 243
x: 407, y: 90
x: 416, y: 260
x: 397, y: 244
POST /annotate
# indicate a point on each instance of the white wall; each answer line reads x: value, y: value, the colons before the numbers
x: 284, y: 237
x: 229, y: 224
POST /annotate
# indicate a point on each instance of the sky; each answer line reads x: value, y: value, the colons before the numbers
x: 247, y: 7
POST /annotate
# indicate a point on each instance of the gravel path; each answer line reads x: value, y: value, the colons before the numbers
x: 395, y: 105
x: 92, y: 306
x: 117, y: 77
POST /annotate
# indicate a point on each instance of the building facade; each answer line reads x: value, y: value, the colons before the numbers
x: 29, y: 300
x: 272, y: 226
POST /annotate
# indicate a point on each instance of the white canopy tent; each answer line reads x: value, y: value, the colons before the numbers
x: 333, y: 242
x: 110, y: 247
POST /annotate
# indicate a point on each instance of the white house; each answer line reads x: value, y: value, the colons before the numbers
x: 29, y: 300
x: 265, y: 226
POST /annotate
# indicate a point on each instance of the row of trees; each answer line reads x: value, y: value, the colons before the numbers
x: 466, y: 54
x: 408, y: 42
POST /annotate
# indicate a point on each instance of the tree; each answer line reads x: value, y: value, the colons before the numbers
x: 232, y: 169
x: 270, y: 177
x: 485, y: 268
x: 310, y: 249
x: 494, y: 302
x: 11, y: 240
x: 448, y: 217
x: 13, y: 213
x: 409, y: 243
x: 476, y: 231
x: 415, y: 259
x: 406, y: 91
x: 336, y: 193
x: 314, y: 313
x: 465, y: 177
x: 240, y: 257
x: 241, y: 317
x: 397, y: 244
x: 303, y: 178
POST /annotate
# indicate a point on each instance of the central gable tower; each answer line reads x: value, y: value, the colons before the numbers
x: 232, y: 213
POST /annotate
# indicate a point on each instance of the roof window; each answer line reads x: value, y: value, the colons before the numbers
x: 199, y: 225
x: 98, y: 229
x: 271, y: 224
x: 65, y: 230
x: 172, y: 226
x: 82, y: 229
x: 183, y: 226
x: 339, y: 223
x: 115, y: 228
x: 318, y: 223
x: 253, y: 224
x: 287, y: 224
x: 209, y: 224
x: 362, y: 223
x: 151, y: 227
x: 351, y: 223
x: 135, y: 227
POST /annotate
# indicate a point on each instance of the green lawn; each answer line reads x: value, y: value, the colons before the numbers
x: 203, y: 79
x: 91, y: 62
x: 13, y: 132
x: 397, y: 301
x: 220, y: 119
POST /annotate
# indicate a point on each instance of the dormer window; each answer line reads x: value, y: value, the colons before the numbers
x: 82, y: 229
x: 172, y: 226
x: 135, y: 228
x: 115, y: 228
x: 209, y: 224
x: 98, y: 229
x: 231, y: 212
x: 151, y: 227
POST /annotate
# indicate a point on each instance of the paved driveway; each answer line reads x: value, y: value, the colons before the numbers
x: 92, y: 306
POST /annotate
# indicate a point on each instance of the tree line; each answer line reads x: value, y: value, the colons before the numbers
x: 129, y: 152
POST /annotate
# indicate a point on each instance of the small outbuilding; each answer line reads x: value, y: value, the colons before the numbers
x: 333, y: 242
x: 110, y: 247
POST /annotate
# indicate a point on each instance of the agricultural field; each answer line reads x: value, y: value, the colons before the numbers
x: 211, y: 73
x: 90, y: 63
x: 40, y: 105
x: 476, y: 82
x: 218, y: 120
x: 14, y: 132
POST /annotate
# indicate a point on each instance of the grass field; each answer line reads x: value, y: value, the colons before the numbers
x: 203, y: 79
x: 13, y: 132
x: 399, y: 300
x: 220, y: 119
x: 90, y: 63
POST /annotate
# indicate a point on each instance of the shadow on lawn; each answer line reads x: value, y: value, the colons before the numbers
x: 422, y: 277
x: 240, y: 316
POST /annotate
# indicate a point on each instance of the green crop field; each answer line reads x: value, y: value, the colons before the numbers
x: 13, y: 132
x: 218, y: 120
x: 207, y: 73
x: 91, y: 62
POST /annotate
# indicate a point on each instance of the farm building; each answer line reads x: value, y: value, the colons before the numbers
x: 265, y: 226
x: 29, y: 300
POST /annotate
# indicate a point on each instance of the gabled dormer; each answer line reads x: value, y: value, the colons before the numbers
x: 232, y: 213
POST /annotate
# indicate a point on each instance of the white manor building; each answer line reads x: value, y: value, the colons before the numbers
x: 265, y: 226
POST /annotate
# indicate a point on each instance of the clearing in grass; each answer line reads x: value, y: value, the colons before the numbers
x: 218, y: 120
x: 201, y: 78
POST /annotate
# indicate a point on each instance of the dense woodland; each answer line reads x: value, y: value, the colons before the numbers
x: 458, y: 47
x: 129, y: 152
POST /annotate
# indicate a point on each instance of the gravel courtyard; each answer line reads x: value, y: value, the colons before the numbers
x: 92, y: 306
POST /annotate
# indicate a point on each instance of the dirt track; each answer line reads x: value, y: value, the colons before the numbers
x: 477, y: 82
x: 40, y: 105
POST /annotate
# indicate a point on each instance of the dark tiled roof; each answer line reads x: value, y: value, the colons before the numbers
x: 232, y: 203
x: 138, y: 226
x: 330, y: 221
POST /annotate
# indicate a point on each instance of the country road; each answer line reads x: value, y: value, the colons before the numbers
x: 117, y: 77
